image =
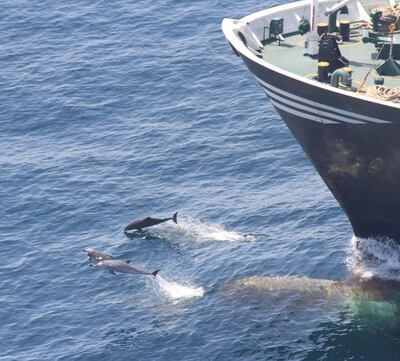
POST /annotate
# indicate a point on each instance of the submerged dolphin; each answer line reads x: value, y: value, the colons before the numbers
x: 96, y: 256
x: 119, y: 266
x: 353, y: 288
x: 371, y: 301
x: 148, y: 222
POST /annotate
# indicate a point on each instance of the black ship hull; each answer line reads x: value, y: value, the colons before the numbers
x: 353, y: 143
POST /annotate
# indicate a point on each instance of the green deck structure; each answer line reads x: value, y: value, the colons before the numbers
x: 289, y: 56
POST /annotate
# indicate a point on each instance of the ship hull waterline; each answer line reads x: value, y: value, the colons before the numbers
x: 353, y: 144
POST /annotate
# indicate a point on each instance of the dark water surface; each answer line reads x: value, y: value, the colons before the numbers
x: 115, y: 110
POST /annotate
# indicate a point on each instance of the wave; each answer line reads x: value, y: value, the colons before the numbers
x: 374, y: 258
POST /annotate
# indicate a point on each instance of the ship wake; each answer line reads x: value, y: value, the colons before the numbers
x: 374, y: 258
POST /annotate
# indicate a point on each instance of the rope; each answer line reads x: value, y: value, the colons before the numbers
x: 382, y: 93
x: 389, y: 15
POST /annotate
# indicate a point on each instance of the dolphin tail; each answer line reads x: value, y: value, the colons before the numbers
x: 155, y: 272
x: 175, y: 217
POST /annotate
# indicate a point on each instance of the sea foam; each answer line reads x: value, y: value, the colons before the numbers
x: 370, y: 257
x: 178, y: 291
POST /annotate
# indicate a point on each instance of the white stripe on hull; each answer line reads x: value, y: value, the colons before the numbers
x: 301, y: 114
x: 312, y: 106
x: 319, y: 114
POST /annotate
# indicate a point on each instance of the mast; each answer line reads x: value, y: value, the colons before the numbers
x: 313, y: 15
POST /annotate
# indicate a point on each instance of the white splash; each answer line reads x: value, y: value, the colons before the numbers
x: 178, y: 291
x: 196, y: 231
x: 369, y: 257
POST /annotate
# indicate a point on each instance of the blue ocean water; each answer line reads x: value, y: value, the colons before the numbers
x: 111, y: 111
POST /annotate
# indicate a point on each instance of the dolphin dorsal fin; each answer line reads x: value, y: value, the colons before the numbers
x: 155, y: 272
x: 128, y: 261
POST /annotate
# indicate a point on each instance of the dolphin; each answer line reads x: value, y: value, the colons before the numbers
x: 370, y: 301
x: 352, y: 288
x: 148, y: 222
x: 284, y: 284
x: 115, y: 265
x: 96, y: 256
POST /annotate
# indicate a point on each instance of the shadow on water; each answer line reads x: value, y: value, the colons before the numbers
x: 139, y: 234
x: 154, y: 238
x: 343, y: 340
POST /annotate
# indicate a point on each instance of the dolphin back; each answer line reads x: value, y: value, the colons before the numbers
x: 124, y: 267
x: 149, y: 221
x: 136, y: 224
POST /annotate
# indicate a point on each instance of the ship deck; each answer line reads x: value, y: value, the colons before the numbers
x: 289, y: 56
